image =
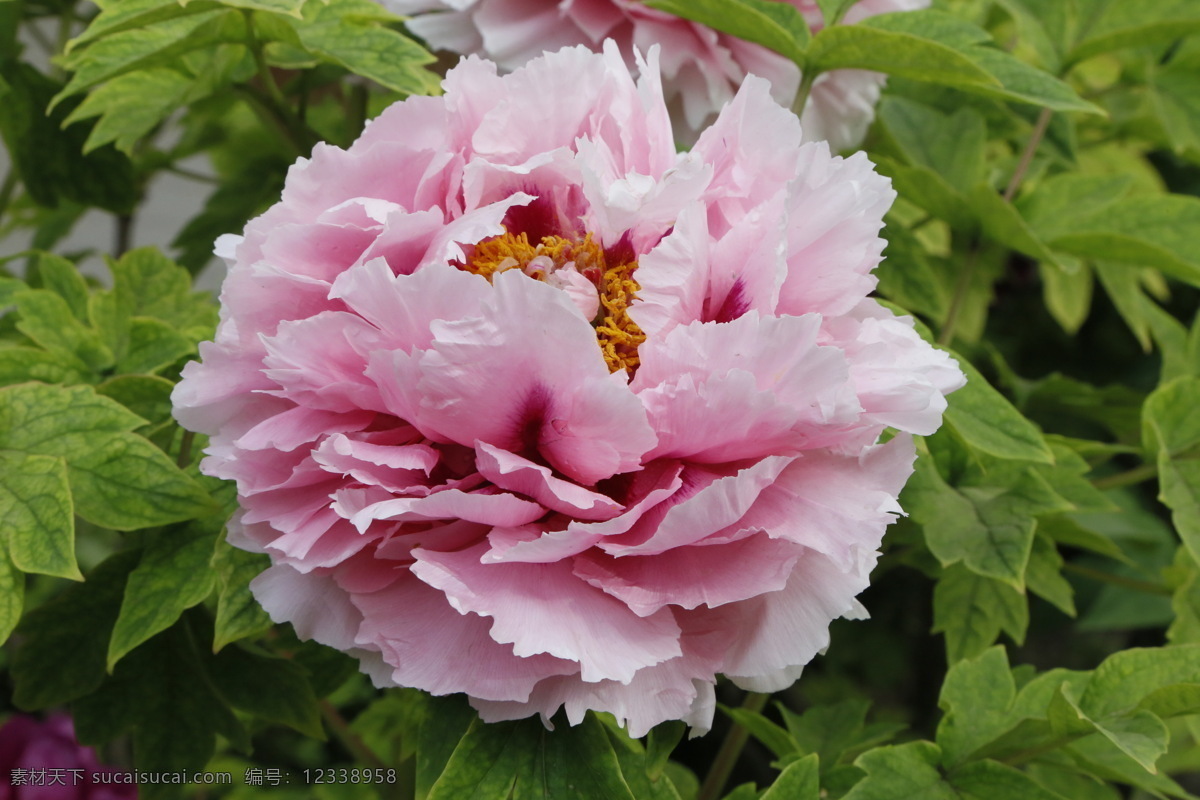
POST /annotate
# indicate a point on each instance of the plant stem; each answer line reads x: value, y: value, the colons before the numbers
x: 349, y: 739
x: 1129, y: 478
x: 1035, y: 139
x: 272, y: 101
x: 962, y: 288
x: 730, y: 750
x: 807, y: 77
x: 1117, y: 580
x: 192, y: 175
x: 7, y: 189
x: 124, y: 235
x: 185, y: 449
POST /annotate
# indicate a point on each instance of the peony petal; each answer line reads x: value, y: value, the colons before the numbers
x: 509, y: 471
x: 713, y: 503
x: 433, y: 647
x: 720, y: 392
x: 836, y: 505
x: 543, y: 608
x: 526, y: 376
x: 489, y: 509
x: 687, y: 577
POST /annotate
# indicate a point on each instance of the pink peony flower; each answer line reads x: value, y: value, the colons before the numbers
x: 40, y: 760
x: 701, y: 67
x: 524, y: 404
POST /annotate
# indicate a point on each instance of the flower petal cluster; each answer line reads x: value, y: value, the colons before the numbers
x: 40, y: 760
x: 524, y: 404
x: 702, y: 68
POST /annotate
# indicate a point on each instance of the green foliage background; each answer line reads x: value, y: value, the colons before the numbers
x: 1036, y: 617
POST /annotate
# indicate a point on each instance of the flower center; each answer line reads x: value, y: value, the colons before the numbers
x: 617, y: 334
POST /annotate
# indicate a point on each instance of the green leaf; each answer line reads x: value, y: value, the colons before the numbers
x: 950, y: 145
x: 36, y: 518
x: 776, y: 26
x: 919, y: 52
x: 56, y: 420
x: 336, y: 33
x: 1185, y: 601
x: 993, y: 72
x: 833, y: 10
x: 272, y: 689
x: 977, y: 697
x: 12, y: 596
x: 1067, y: 293
x: 118, y: 480
x: 1176, y: 700
x: 1125, y: 678
x: 1116, y: 26
x: 1123, y: 287
x: 523, y: 761
x: 777, y: 740
x: 148, y: 396
x: 390, y: 724
x: 163, y: 693
x: 61, y: 277
x: 1044, y: 577
x: 47, y: 319
x: 125, y: 482
x: 1035, y: 32
x: 1049, y: 208
x: 49, y: 158
x: 153, y: 346
x: 130, y: 105
x: 798, y: 781
x: 171, y: 577
x: 9, y: 288
x: 986, y: 421
x: 901, y: 772
x: 1161, y: 232
x: 931, y: 192
x: 1177, y: 102
x: 990, y: 780
x: 1139, y: 734
x: 1003, y: 223
x: 129, y: 14
x: 836, y: 732
x: 971, y: 610
x: 442, y: 729
x: 988, y: 528
x: 238, y: 614
x: 1027, y: 84
x: 148, y: 284
x: 1172, y: 428
x: 1098, y: 756
x: 153, y: 45
x: 62, y: 656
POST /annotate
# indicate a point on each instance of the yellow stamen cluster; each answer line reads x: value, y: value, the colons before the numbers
x: 616, y: 333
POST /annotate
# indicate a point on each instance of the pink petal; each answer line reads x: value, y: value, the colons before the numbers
x: 715, y: 504
x: 687, y: 577
x: 301, y: 425
x: 509, y: 471
x: 835, y: 504
x: 778, y: 632
x: 318, y: 609
x: 720, y: 392
x: 433, y: 647
x: 538, y: 545
x: 527, y: 376
x: 543, y: 608
x: 489, y: 509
